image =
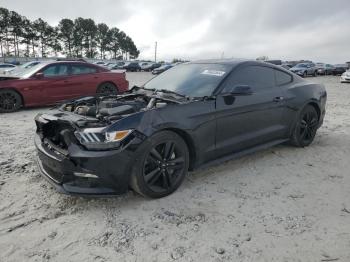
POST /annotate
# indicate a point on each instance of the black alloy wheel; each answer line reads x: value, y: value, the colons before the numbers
x: 10, y: 101
x: 107, y: 89
x: 162, y: 166
x: 306, y: 127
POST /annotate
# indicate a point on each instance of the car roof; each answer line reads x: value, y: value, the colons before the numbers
x: 233, y: 63
x: 222, y: 61
x: 65, y: 62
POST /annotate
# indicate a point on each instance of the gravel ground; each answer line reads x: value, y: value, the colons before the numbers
x: 281, y: 204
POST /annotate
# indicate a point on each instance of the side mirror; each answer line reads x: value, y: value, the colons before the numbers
x: 240, y: 90
x: 39, y: 75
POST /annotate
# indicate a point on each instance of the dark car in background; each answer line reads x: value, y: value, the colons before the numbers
x: 305, y: 69
x: 117, y: 65
x: 50, y: 82
x: 132, y: 67
x: 150, y: 66
x: 339, y: 69
x: 161, y: 69
x: 194, y: 115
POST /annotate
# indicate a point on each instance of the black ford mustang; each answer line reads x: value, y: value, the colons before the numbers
x: 193, y: 115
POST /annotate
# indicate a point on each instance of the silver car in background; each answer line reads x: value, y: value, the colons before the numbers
x: 305, y: 69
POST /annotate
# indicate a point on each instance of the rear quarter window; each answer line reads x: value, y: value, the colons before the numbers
x: 282, y: 78
x: 83, y: 69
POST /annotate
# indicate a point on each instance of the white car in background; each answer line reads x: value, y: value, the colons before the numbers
x: 20, y: 68
x: 4, y: 67
x: 345, y: 77
x: 100, y: 63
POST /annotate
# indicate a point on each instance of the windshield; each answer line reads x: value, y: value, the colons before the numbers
x: 193, y: 80
x: 27, y: 72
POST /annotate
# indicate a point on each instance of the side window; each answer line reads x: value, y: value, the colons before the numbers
x: 82, y: 69
x: 56, y: 70
x: 282, y: 78
x: 257, y: 77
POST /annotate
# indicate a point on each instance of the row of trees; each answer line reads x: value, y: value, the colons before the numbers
x: 74, y: 38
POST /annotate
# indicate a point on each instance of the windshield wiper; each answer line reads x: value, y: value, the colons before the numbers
x: 170, y: 92
x: 166, y: 91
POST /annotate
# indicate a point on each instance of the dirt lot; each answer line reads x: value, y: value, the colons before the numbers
x: 281, y: 204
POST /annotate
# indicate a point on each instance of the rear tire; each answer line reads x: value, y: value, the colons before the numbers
x: 107, y: 88
x: 160, y: 166
x: 10, y: 101
x: 306, y: 127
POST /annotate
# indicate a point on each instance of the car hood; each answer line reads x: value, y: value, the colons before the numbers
x: 4, y: 77
x: 102, y: 110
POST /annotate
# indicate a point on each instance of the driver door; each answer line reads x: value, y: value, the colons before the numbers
x: 247, y: 120
x: 55, y: 82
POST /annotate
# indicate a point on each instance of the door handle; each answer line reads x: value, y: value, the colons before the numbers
x: 278, y: 99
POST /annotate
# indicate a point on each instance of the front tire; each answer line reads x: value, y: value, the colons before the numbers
x: 306, y: 127
x: 10, y: 101
x: 161, y: 165
x: 305, y: 74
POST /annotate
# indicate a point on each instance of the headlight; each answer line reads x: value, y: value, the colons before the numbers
x: 98, y: 139
x: 117, y: 135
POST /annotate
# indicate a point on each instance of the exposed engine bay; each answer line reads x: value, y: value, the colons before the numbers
x: 114, y: 107
x: 83, y: 118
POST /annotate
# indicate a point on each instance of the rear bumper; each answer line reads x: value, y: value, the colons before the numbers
x: 85, y: 172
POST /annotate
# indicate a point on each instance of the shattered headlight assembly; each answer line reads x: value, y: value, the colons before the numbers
x: 98, y: 139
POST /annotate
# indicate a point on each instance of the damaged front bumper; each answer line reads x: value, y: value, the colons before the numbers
x: 83, y: 172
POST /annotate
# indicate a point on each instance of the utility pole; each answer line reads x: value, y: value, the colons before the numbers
x: 155, y: 52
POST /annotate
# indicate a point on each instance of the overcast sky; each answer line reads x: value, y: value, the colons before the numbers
x: 280, y: 29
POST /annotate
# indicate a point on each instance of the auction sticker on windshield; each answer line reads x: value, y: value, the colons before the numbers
x: 213, y: 72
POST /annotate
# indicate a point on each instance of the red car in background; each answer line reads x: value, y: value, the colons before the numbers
x: 50, y: 82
